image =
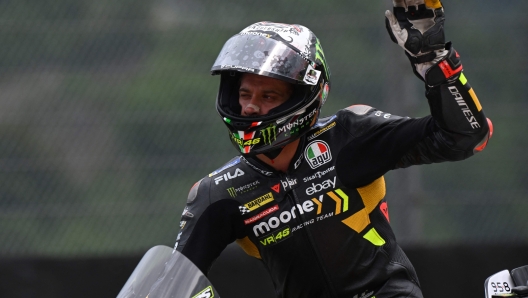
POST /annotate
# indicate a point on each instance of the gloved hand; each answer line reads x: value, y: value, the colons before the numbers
x: 418, y: 27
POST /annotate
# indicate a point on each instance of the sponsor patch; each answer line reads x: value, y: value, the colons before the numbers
x: 228, y: 176
x: 285, y: 217
x: 275, y: 237
x: 261, y: 215
x: 243, y: 210
x: 317, y: 153
x: 260, y: 201
x: 234, y: 191
x: 318, y: 174
x: 322, y: 130
x: 317, y: 187
x: 289, y: 183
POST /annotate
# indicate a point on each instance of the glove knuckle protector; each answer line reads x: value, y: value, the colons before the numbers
x: 434, y: 37
x: 414, y: 43
x: 424, y: 26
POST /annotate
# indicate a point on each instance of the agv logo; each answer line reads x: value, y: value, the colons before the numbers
x: 317, y: 153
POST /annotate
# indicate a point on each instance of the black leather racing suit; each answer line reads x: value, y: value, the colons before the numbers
x: 322, y: 229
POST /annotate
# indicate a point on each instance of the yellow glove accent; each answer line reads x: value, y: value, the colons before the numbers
x: 433, y: 4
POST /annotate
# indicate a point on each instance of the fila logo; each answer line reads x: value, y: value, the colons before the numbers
x: 317, y: 153
x: 228, y: 176
x: 315, y: 188
x: 205, y: 293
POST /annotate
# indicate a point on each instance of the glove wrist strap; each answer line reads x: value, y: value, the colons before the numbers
x: 422, y: 58
x: 446, y: 70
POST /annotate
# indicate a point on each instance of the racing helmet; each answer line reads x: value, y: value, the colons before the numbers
x: 291, y: 53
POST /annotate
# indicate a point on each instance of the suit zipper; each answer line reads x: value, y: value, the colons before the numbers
x: 313, y: 247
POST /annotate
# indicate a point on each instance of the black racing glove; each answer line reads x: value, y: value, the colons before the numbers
x: 418, y: 27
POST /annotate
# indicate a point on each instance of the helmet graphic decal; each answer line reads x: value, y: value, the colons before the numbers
x: 312, y: 76
x: 269, y: 134
x: 295, y: 35
x: 297, y: 122
x: 245, y: 140
x: 319, y: 55
x: 324, y: 95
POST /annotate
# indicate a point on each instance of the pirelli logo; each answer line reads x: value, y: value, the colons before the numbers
x: 260, y: 201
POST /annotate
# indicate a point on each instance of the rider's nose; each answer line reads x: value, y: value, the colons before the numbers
x: 251, y: 108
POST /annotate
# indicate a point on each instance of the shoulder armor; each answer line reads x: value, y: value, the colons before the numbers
x: 359, y: 109
x: 193, y: 192
x: 229, y: 164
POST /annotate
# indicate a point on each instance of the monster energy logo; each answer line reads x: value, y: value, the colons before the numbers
x: 269, y: 134
x: 232, y: 192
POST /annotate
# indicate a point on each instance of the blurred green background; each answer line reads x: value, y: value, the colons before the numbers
x: 107, y: 117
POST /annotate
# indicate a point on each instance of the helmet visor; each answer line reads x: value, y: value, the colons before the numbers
x: 261, y: 55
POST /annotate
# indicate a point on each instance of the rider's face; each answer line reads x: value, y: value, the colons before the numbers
x: 258, y: 94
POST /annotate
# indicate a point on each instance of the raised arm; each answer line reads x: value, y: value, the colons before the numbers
x: 418, y: 27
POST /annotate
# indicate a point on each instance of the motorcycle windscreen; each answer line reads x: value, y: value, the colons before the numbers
x: 166, y: 273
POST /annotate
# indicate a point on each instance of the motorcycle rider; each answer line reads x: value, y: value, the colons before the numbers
x: 307, y: 195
